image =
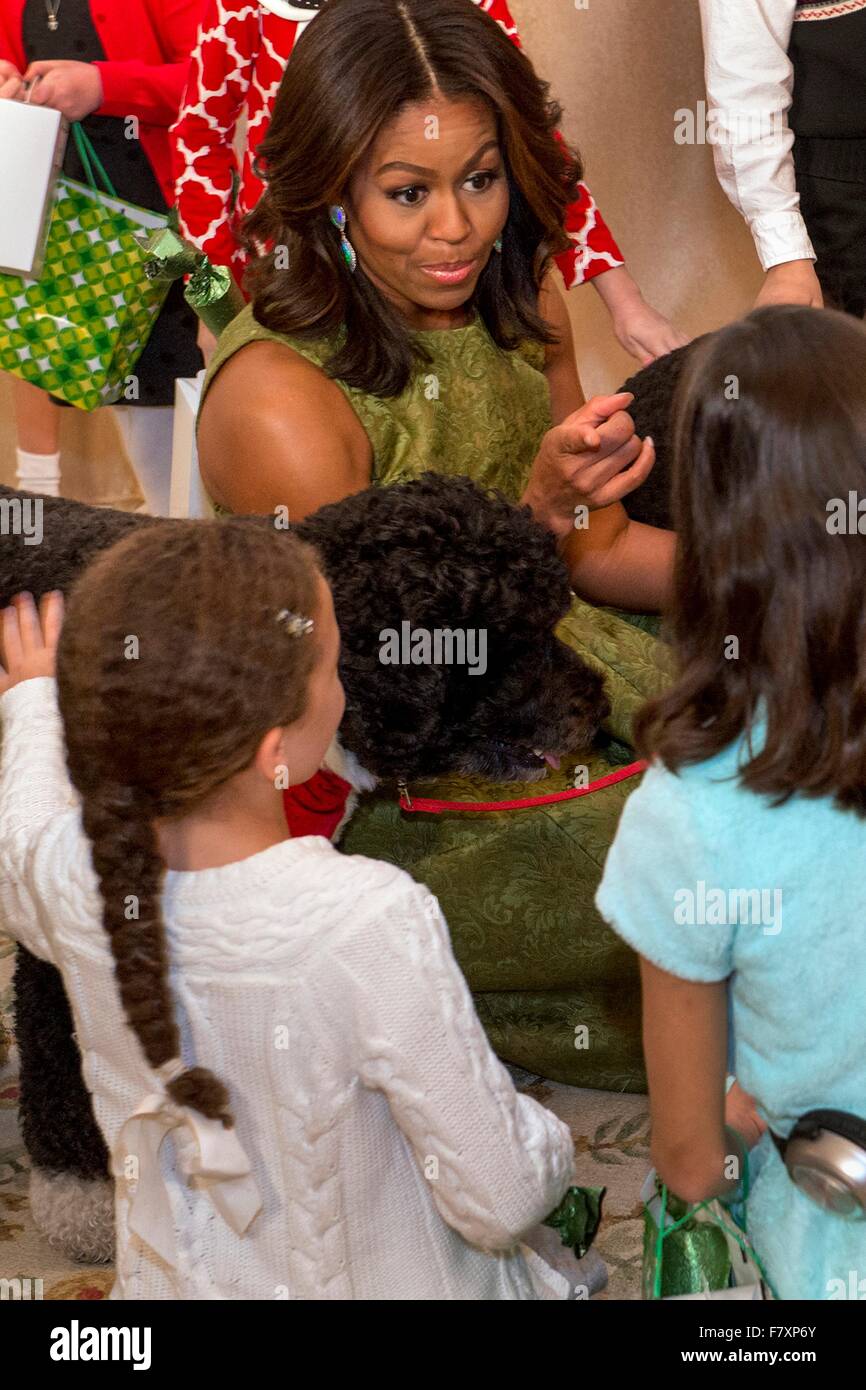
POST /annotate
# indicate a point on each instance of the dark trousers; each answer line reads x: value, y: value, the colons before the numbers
x: 832, y: 187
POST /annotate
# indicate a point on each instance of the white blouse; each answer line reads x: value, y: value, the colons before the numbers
x: 750, y: 85
x: 380, y: 1149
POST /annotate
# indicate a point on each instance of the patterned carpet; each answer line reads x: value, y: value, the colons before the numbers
x: 610, y: 1134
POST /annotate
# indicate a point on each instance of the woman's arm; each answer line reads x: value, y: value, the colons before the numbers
x: 274, y: 431
x: 295, y: 442
x: 130, y: 87
x: 202, y: 139
x: 614, y: 560
x: 153, y: 91
x: 750, y: 83
x: 11, y: 38
x: 641, y: 329
x: 685, y: 1039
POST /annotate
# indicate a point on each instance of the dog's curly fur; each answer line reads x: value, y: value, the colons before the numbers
x: 76, y: 1215
x: 654, y: 389
x: 439, y: 553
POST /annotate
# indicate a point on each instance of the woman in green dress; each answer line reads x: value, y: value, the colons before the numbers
x: 404, y: 318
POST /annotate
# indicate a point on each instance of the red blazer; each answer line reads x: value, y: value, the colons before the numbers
x: 148, y: 44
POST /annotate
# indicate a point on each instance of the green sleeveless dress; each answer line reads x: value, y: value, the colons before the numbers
x: 473, y: 410
x: 557, y: 991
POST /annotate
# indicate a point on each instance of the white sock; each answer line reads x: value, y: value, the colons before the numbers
x: 38, y: 472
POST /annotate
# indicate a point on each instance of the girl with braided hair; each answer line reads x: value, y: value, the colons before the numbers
x: 293, y: 1018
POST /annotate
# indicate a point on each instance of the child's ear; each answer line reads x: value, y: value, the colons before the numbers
x: 272, y: 757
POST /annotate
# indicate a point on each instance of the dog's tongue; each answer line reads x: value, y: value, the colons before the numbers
x: 550, y: 758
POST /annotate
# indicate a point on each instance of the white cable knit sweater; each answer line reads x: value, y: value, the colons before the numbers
x: 390, y: 1156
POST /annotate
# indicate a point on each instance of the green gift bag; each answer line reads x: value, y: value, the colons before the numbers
x: 79, y: 329
x: 699, y: 1251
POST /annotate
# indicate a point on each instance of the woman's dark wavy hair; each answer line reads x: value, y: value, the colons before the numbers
x: 770, y: 429
x: 357, y: 65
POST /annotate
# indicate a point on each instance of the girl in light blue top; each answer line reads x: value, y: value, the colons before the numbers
x: 740, y: 863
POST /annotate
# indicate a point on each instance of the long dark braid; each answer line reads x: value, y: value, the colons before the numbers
x: 172, y: 666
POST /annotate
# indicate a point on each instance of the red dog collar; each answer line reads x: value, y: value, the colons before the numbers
x: 421, y: 803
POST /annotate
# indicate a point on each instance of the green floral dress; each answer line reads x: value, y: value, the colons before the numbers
x: 557, y: 991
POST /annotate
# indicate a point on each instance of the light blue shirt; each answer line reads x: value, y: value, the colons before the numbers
x: 710, y: 881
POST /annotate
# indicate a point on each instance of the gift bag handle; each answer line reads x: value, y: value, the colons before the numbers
x: 90, y: 159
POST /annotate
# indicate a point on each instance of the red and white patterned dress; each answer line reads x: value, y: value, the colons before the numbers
x: 237, y: 64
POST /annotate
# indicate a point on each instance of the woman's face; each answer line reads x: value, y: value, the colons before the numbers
x: 426, y: 206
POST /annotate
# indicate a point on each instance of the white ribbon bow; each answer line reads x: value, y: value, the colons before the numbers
x: 215, y: 1164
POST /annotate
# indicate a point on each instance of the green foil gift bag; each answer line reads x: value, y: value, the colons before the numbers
x: 696, y: 1252
x: 78, y: 330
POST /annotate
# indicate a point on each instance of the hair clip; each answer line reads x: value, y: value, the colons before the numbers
x: 295, y: 624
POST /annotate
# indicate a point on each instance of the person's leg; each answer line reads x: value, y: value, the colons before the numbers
x: 37, y: 421
x: 146, y: 433
x: 835, y: 214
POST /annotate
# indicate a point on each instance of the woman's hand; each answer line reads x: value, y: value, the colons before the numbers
x: 792, y: 282
x: 73, y: 89
x: 28, y: 639
x: 642, y: 330
x: 592, y: 459
x: 11, y: 81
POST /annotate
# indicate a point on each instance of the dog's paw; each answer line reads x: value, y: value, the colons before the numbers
x: 76, y: 1215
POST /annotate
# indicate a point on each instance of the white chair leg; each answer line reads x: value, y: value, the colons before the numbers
x: 146, y: 433
x: 188, y: 497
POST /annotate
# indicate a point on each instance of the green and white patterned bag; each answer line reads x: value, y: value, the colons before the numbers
x: 79, y: 329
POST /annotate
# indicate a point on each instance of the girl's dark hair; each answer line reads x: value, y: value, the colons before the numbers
x: 354, y: 69
x: 769, y: 619
x: 171, y: 667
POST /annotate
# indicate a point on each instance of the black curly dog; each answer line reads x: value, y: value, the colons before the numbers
x: 439, y: 553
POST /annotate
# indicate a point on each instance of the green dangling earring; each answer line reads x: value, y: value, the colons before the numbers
x: 338, y: 217
x: 497, y: 245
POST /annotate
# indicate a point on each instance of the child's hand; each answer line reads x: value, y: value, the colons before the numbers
x: 28, y: 639
x: 741, y: 1115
